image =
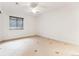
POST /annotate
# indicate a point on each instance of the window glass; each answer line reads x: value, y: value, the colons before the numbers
x: 16, y: 23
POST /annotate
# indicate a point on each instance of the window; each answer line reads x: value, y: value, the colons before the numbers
x: 16, y: 23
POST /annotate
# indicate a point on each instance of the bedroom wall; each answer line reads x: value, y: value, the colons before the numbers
x: 1, y: 27
x: 29, y: 25
x: 60, y: 24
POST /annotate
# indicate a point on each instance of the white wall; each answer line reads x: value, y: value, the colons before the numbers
x: 61, y: 24
x: 1, y: 26
x: 29, y: 25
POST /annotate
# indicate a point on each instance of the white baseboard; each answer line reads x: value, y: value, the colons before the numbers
x: 31, y: 35
x: 16, y: 37
x: 64, y: 40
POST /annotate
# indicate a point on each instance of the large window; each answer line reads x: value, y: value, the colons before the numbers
x: 16, y: 23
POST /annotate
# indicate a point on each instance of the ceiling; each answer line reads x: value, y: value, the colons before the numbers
x: 42, y: 6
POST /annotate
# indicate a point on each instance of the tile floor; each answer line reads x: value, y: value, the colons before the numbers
x: 38, y: 46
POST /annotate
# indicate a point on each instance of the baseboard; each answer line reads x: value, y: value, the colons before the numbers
x: 66, y: 42
x: 17, y: 38
x: 21, y: 37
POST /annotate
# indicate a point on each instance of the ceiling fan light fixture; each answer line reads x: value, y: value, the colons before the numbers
x: 35, y: 11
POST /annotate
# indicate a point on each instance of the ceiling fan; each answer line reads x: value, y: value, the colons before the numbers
x: 32, y: 5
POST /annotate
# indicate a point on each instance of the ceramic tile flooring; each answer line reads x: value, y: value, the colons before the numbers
x: 38, y: 46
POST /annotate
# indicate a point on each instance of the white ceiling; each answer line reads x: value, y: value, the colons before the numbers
x: 42, y: 6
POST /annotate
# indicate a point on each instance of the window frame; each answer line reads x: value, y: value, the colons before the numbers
x: 17, y: 26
